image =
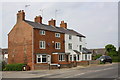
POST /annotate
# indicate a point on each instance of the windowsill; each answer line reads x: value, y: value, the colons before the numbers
x: 61, y: 60
x: 58, y: 49
x: 40, y: 62
x: 42, y: 48
x: 57, y: 37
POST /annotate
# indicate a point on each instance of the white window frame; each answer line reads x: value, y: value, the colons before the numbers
x: 57, y: 45
x: 40, y: 56
x: 57, y: 35
x: 42, y: 32
x: 43, y: 45
x: 61, y: 57
x: 69, y: 46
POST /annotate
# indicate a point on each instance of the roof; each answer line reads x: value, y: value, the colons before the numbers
x: 76, y: 51
x: 5, y: 51
x: 98, y: 51
x: 52, y: 28
x: 86, y: 51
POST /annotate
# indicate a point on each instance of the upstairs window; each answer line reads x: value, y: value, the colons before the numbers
x: 57, y: 35
x: 80, y: 38
x: 69, y: 45
x: 57, y: 45
x: 42, y: 32
x: 70, y: 37
x: 42, y: 44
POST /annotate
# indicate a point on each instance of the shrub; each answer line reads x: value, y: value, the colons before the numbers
x: 14, y: 67
x: 2, y: 65
x: 115, y: 59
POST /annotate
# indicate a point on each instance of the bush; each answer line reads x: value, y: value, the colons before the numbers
x: 14, y: 67
x: 115, y: 59
x: 2, y: 65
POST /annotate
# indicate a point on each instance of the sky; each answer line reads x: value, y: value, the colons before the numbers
x: 98, y: 21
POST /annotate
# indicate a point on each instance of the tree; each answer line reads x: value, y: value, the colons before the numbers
x: 111, y: 50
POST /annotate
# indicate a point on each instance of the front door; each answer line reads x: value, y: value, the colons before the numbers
x: 67, y: 58
x: 74, y: 57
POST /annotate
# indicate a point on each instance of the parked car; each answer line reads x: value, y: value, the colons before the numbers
x: 105, y: 59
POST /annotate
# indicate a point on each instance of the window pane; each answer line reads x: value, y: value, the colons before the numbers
x: 39, y: 60
x: 70, y: 37
x: 42, y: 32
x: 85, y: 56
x: 43, y: 59
x: 69, y: 46
x: 70, y: 57
x: 57, y: 45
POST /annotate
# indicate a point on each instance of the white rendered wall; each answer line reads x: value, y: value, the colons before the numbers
x: 75, y: 43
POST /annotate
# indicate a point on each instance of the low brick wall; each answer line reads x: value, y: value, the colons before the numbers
x: 73, y: 64
x: 66, y: 65
x: 41, y: 67
x: 83, y: 63
x: 94, y: 62
x: 53, y: 67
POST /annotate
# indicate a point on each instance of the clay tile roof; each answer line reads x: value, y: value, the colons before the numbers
x: 53, y: 28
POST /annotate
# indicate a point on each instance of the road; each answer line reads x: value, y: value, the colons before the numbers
x: 93, y: 71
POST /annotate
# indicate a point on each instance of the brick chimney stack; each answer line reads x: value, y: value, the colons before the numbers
x: 52, y: 22
x: 20, y: 15
x: 38, y: 19
x: 63, y: 25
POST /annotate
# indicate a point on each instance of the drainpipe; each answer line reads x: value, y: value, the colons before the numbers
x: 32, y: 49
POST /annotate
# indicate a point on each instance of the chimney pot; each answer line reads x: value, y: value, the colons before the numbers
x: 63, y: 25
x: 38, y: 19
x: 20, y: 15
x: 52, y: 22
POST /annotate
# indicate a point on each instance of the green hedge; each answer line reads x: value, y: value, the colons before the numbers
x: 14, y: 67
x: 115, y: 59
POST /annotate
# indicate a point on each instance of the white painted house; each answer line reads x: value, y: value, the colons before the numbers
x: 76, y: 45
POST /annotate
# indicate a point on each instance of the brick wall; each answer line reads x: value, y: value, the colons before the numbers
x: 94, y: 62
x: 20, y: 44
x: 83, y: 63
x: 50, y: 39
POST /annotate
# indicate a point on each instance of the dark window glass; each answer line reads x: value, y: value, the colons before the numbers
x: 43, y: 58
x: 70, y: 37
x: 39, y: 59
x: 85, y: 56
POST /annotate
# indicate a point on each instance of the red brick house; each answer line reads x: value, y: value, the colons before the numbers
x: 36, y: 44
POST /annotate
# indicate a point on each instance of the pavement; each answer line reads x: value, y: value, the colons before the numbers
x: 91, y: 71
